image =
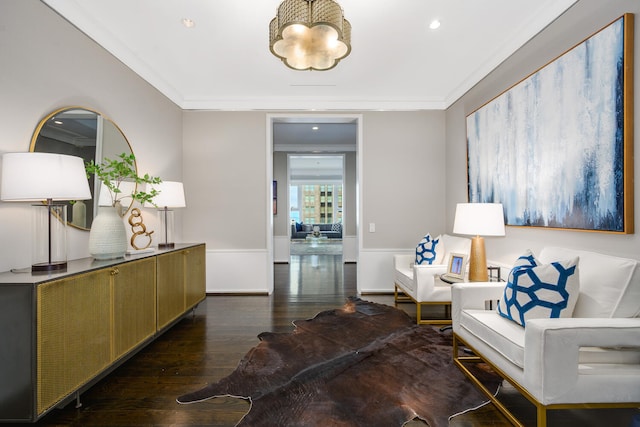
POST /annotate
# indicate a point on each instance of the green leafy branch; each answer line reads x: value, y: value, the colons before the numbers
x: 114, y: 172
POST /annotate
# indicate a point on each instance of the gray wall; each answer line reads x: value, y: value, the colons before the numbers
x: 280, y: 220
x: 48, y: 64
x: 349, y: 195
x: 403, y: 174
x: 578, y: 23
x: 225, y: 165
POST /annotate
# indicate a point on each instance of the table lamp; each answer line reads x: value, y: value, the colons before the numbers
x: 479, y: 219
x: 48, y: 177
x: 170, y: 195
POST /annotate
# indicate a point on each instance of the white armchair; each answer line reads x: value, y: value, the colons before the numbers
x: 420, y: 284
x: 589, y: 360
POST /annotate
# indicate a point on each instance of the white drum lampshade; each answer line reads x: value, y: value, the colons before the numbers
x: 45, y: 177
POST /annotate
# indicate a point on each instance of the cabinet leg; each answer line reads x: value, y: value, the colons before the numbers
x: 78, y: 402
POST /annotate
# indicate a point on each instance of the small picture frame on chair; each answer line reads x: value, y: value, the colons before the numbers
x: 456, y: 269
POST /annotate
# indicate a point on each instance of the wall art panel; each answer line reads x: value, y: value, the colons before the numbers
x: 556, y: 149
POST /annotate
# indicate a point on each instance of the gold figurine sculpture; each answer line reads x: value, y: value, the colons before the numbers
x: 138, y: 229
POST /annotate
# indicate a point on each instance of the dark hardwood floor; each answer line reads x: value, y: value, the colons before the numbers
x: 207, y: 346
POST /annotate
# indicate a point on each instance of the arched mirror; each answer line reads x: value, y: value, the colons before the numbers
x: 82, y: 132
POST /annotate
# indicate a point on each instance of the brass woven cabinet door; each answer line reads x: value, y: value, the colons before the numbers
x: 73, y: 327
x: 195, y: 276
x: 134, y: 305
x: 170, y: 287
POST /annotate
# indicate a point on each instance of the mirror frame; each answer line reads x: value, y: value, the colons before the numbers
x: 98, y: 152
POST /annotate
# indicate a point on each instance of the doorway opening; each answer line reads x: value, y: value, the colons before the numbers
x: 315, y: 203
x: 335, y: 205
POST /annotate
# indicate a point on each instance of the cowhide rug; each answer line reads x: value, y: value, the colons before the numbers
x: 364, y: 364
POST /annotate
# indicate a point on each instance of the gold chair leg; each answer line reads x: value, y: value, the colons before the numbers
x: 542, y: 416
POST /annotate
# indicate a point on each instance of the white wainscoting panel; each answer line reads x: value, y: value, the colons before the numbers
x: 375, y: 270
x: 281, y: 249
x: 238, y: 271
x: 350, y: 248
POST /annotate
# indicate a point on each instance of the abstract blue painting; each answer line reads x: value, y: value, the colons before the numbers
x: 551, y: 149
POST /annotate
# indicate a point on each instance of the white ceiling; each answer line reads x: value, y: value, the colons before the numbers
x: 396, y: 63
x: 315, y: 168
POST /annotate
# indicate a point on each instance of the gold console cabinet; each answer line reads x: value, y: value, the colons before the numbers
x: 62, y: 332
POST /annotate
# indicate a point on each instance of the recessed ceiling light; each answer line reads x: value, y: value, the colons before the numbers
x: 435, y: 24
x: 315, y: 128
x: 188, y: 23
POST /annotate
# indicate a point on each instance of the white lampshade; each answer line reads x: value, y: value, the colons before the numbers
x: 28, y: 177
x: 171, y: 195
x: 479, y: 219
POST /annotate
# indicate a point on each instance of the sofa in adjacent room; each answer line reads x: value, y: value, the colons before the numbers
x: 300, y: 230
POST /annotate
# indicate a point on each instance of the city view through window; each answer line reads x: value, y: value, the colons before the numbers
x: 315, y: 188
x: 316, y: 203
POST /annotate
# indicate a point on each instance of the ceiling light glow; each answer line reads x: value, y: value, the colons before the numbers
x: 188, y: 23
x: 435, y: 24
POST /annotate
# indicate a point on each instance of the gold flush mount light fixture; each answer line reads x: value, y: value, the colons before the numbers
x: 310, y: 34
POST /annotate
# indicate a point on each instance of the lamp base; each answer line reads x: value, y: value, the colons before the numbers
x: 478, y: 261
x: 166, y: 245
x: 46, y: 267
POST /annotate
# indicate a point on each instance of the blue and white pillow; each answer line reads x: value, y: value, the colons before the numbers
x: 426, y: 250
x: 337, y: 227
x: 536, y: 291
x: 525, y: 260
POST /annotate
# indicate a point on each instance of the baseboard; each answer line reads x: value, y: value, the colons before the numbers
x: 377, y: 293
x: 237, y: 294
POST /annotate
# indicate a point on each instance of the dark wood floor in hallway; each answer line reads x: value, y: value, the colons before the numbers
x: 205, y: 347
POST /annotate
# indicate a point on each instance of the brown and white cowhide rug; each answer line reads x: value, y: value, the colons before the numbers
x: 364, y: 364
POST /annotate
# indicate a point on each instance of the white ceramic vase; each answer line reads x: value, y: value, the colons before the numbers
x: 108, y: 236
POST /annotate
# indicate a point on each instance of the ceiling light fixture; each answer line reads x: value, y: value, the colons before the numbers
x: 435, y: 24
x: 188, y: 23
x: 310, y: 34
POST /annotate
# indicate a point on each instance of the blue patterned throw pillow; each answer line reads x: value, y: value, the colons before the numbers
x: 426, y: 250
x: 536, y: 291
x: 526, y: 260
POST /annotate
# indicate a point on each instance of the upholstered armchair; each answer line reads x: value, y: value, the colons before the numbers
x: 586, y: 358
x: 421, y: 284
